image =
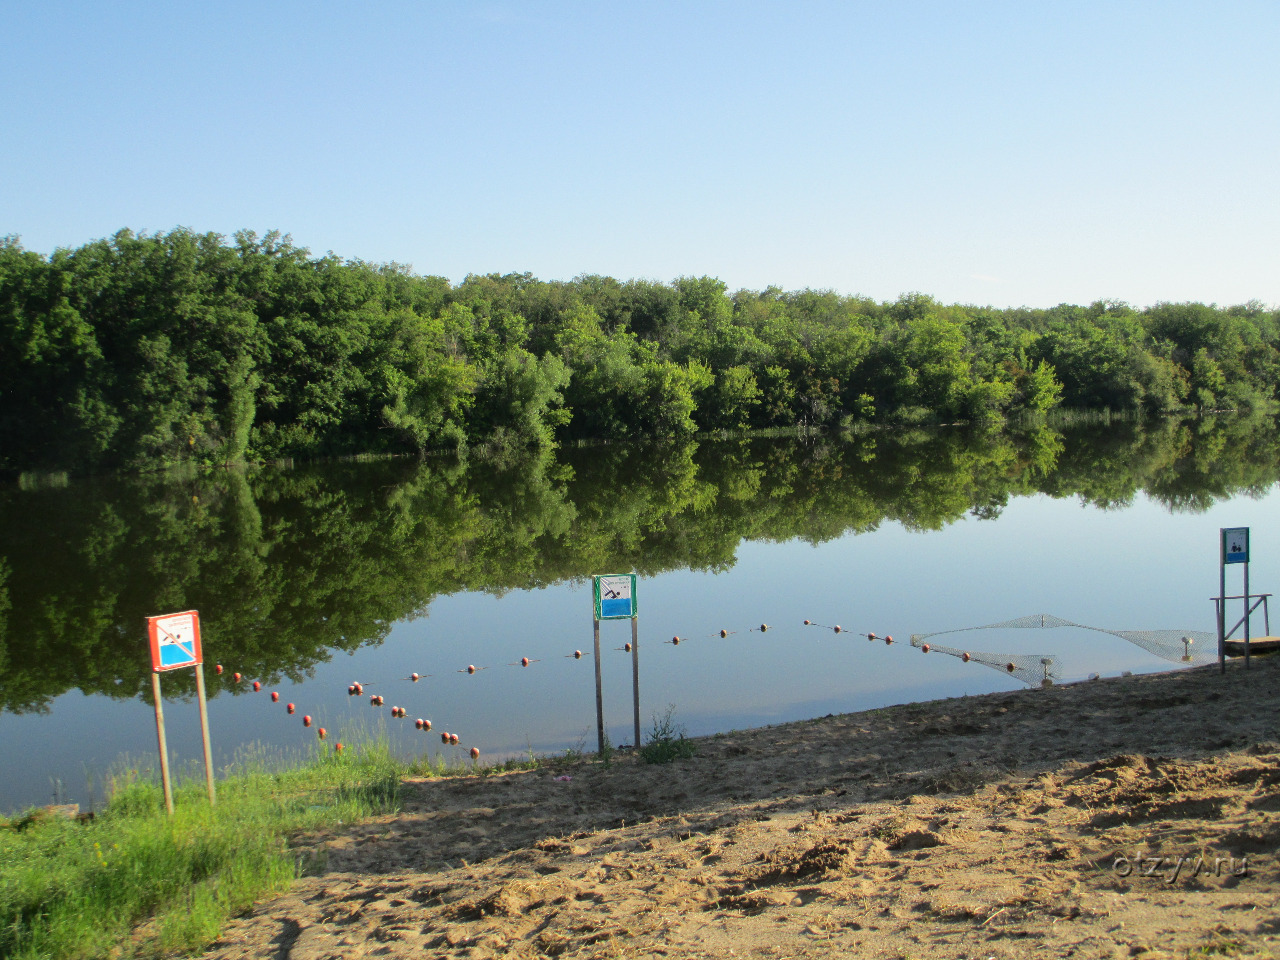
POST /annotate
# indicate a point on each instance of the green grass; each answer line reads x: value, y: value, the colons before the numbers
x: 135, y: 882
x: 667, y: 741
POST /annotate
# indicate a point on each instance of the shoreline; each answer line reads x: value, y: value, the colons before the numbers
x: 997, y: 823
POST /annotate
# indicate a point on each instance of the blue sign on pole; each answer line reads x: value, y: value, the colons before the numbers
x: 614, y: 596
x: 1235, y: 544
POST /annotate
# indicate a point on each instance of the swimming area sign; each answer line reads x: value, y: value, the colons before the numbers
x: 175, y: 640
x: 1235, y: 545
x: 615, y: 596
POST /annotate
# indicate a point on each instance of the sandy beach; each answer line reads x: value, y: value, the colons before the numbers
x: 1131, y: 816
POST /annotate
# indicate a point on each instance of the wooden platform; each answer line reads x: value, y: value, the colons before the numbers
x: 1258, y: 646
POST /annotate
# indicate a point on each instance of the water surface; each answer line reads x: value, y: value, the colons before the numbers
x: 310, y: 578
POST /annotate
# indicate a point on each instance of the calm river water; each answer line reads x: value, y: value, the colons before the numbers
x: 310, y: 578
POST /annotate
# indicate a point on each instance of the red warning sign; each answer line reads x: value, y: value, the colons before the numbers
x: 175, y: 640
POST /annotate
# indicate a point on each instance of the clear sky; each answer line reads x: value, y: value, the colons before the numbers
x: 992, y: 153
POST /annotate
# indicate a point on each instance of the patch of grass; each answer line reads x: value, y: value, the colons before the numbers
x: 667, y: 741
x: 135, y: 882
x: 606, y: 750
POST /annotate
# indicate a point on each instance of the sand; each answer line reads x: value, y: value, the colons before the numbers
x: 1134, y: 816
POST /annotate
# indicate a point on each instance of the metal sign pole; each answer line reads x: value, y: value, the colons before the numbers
x: 613, y: 597
x: 599, y: 690
x: 635, y: 675
x: 1248, y: 615
x: 1222, y: 601
x: 204, y: 733
x: 164, y: 749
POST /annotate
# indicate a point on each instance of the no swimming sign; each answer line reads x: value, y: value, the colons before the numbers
x: 175, y: 640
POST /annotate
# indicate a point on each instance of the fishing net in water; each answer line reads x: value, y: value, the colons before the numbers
x: 1032, y: 669
x: 1180, y: 646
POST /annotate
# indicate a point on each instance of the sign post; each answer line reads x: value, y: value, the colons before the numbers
x: 175, y: 644
x: 1233, y: 547
x: 614, y: 598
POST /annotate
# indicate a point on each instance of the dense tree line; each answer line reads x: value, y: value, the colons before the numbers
x: 145, y: 350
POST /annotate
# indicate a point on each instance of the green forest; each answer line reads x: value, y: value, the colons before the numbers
x: 143, y: 351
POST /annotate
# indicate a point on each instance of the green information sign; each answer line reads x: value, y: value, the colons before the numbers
x: 615, y: 596
x: 1235, y: 545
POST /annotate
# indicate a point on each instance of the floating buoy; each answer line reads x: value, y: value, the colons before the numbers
x: 306, y: 720
x: 888, y: 639
x: 337, y: 747
x: 965, y: 657
x: 764, y: 627
x: 426, y: 724
x: 322, y: 733
x: 626, y: 648
x: 217, y: 668
x: 837, y: 628
x: 289, y: 708
x: 351, y: 690
x: 359, y: 687
x: 577, y: 654
x: 475, y: 753
x: 414, y: 677
x: 872, y: 636
x: 723, y: 634
x: 395, y: 711
x: 235, y: 677
x: 1010, y: 666
x: 808, y: 623
x: 471, y: 668
x: 524, y: 661
x: 256, y: 686
x: 275, y: 696
x: 444, y: 738
x: 924, y: 648
x: 453, y: 739
x: 417, y: 724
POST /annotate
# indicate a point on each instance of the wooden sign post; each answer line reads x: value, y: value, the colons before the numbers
x: 175, y: 644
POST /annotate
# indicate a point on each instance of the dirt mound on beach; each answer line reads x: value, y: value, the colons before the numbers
x: 1135, y: 816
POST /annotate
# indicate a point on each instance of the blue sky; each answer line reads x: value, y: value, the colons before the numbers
x: 990, y: 153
